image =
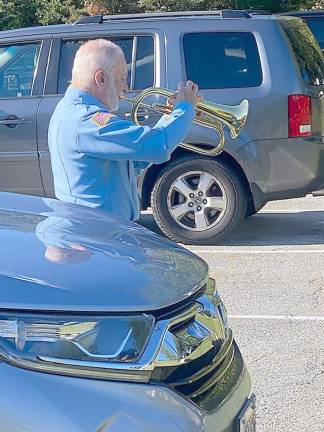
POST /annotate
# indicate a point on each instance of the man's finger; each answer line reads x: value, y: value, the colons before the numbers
x: 181, y: 85
x: 189, y: 84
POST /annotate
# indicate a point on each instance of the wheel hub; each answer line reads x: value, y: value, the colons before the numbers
x: 197, y: 201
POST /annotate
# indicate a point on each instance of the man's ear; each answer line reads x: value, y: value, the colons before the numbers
x: 99, y: 77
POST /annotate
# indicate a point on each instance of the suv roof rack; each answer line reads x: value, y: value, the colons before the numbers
x: 93, y: 19
x: 223, y: 14
x: 258, y: 12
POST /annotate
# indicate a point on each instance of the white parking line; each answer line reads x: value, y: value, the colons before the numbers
x: 257, y: 251
x: 290, y: 210
x: 278, y: 317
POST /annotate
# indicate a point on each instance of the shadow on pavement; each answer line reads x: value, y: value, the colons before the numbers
x: 270, y: 228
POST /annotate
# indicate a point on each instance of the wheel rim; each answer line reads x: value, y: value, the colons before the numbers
x: 197, y: 201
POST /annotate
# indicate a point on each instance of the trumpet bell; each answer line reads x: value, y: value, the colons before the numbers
x: 233, y: 116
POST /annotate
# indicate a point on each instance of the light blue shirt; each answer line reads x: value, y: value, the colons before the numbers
x: 92, y: 151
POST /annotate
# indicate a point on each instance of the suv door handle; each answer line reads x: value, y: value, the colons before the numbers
x: 12, y: 121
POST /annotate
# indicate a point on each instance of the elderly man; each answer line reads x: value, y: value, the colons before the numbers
x: 92, y: 150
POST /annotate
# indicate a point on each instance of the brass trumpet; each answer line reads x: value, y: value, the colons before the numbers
x: 208, y: 114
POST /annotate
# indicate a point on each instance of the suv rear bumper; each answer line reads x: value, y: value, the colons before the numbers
x: 38, y: 401
x: 283, y: 168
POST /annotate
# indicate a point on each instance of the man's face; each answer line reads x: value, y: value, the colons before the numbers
x: 121, y: 76
x: 117, y: 85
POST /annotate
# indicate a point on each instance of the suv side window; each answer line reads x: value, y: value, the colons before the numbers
x: 222, y: 59
x: 139, y: 55
x: 144, y: 68
x: 17, y: 69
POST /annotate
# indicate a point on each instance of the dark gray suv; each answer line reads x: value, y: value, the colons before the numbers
x: 272, y: 61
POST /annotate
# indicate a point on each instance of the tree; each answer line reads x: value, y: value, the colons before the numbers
x: 111, y: 6
x: 268, y: 5
x: 177, y: 5
x: 275, y: 5
x: 56, y: 11
x: 22, y: 13
x: 17, y: 13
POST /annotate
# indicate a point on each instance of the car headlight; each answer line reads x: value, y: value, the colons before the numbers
x: 97, y: 347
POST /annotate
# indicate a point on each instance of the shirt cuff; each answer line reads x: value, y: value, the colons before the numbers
x: 187, y: 106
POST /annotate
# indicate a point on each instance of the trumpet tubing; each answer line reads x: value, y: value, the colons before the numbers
x: 208, y: 114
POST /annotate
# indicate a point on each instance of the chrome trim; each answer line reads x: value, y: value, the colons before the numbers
x: 43, y: 153
x: 47, y: 67
x: 41, y: 46
x: 26, y: 154
x: 210, y: 367
x: 174, y: 341
x: 104, y: 356
x: 215, y: 378
x: 15, y: 121
x: 133, y: 64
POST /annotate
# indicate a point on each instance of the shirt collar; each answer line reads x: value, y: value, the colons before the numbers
x: 85, y: 97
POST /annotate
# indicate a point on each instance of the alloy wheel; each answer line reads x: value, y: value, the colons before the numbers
x: 197, y: 200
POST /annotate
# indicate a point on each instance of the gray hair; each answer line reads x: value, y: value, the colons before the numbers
x: 94, y: 55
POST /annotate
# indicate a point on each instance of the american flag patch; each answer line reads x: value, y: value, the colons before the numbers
x: 101, y: 118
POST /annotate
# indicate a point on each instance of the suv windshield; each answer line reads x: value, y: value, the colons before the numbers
x: 307, y: 52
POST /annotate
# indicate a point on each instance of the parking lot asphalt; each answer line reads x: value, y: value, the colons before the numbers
x: 270, y: 274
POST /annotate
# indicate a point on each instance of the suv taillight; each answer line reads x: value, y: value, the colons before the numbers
x: 299, y: 116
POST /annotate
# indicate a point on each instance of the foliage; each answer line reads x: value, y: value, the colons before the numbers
x: 58, y: 11
x: 17, y: 13
x: 176, y: 5
x: 112, y: 6
x: 22, y: 13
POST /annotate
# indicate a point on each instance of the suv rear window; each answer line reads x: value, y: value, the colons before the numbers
x: 308, y: 53
x: 222, y: 60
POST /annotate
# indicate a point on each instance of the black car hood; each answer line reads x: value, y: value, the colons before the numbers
x: 64, y: 257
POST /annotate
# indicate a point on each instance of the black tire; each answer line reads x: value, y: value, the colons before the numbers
x: 232, y: 186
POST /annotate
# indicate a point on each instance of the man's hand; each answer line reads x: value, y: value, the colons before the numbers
x: 187, y: 92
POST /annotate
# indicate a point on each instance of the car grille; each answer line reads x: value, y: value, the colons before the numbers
x: 199, y: 358
x: 215, y: 387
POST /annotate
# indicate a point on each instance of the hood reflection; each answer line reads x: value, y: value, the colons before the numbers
x: 73, y: 240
